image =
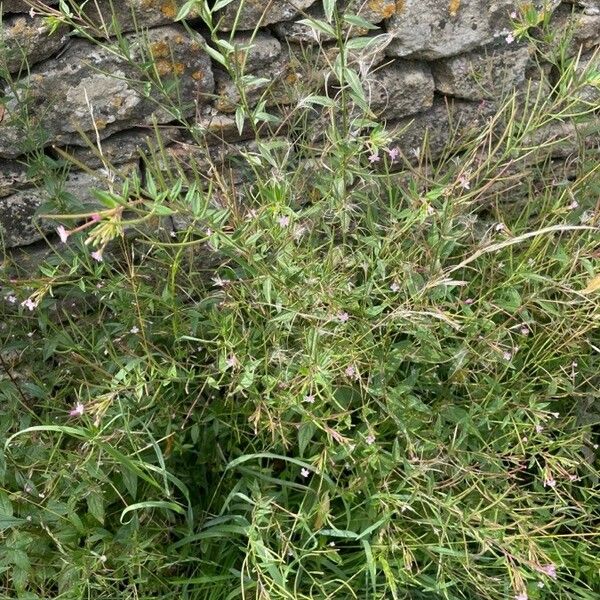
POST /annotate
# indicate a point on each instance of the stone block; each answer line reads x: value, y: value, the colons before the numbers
x: 582, y: 29
x: 279, y: 71
x: 167, y: 65
x: 25, y: 41
x: 13, y: 176
x: 123, y: 147
x: 590, y: 7
x: 373, y: 11
x: 447, y: 119
x: 484, y: 73
x: 587, y: 70
x: 249, y: 14
x: 16, y: 6
x: 132, y: 15
x: 431, y: 29
x: 19, y: 225
x: 399, y: 89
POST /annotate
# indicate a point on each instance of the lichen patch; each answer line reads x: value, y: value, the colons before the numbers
x: 454, y: 7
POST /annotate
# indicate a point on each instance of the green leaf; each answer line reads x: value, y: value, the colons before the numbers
x: 239, y: 119
x: 305, y: 434
x: 162, y: 210
x: 95, y: 503
x: 219, y: 4
x: 185, y: 10
x: 328, y: 8
x: 153, y: 504
x: 358, y: 21
x: 216, y: 55
x: 130, y: 480
x: 318, y: 25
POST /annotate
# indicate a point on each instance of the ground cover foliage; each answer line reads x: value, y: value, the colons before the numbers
x: 353, y: 374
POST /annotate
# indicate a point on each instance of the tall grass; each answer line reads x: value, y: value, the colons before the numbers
x: 336, y: 377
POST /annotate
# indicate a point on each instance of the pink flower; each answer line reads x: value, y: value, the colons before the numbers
x: 95, y: 217
x: 232, y: 361
x: 549, y: 570
x: 63, y: 234
x: 309, y: 398
x: 10, y: 298
x: 97, y: 256
x: 283, y: 221
x: 507, y: 355
x: 220, y: 282
x: 522, y: 596
x: 343, y: 317
x: 550, y: 482
x: 32, y: 12
x: 305, y: 473
x: 539, y: 429
x: 77, y: 411
x: 464, y: 181
x: 370, y: 439
x: 525, y: 330
x: 510, y: 38
x: 373, y: 158
x: 394, y: 287
x: 351, y: 372
x: 393, y: 153
x: 513, y: 14
x: 30, y: 303
x: 573, y: 205
x: 469, y: 301
x: 500, y: 227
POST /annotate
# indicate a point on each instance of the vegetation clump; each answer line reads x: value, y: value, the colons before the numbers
x: 344, y: 373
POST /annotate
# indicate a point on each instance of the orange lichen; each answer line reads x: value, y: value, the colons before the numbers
x: 166, y: 67
x: 400, y: 4
x: 100, y: 123
x: 197, y: 75
x: 169, y: 9
x: 383, y: 8
x: 160, y: 49
x: 453, y: 7
x: 291, y: 78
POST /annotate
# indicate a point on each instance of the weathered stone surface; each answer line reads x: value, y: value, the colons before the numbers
x: 254, y: 13
x: 562, y: 139
x: 400, y: 89
x: 431, y: 29
x: 446, y: 118
x: 482, y: 74
x: 227, y: 159
x: 13, y: 176
x: 133, y: 15
x: 280, y: 72
x: 583, y: 29
x: 373, y: 11
x: 25, y: 41
x: 61, y: 94
x: 123, y: 147
x: 588, y: 70
x: 18, y: 223
x: 591, y: 7
x: 9, y: 6
x: 254, y: 52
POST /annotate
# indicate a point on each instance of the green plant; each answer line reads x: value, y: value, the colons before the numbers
x: 355, y: 375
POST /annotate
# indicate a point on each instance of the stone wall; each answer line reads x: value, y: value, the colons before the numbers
x: 431, y: 62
